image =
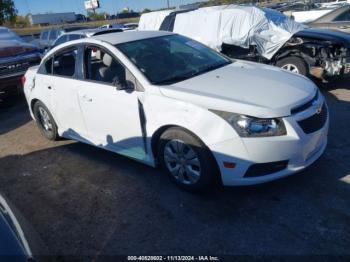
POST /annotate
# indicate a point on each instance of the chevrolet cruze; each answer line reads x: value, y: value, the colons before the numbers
x: 161, y: 98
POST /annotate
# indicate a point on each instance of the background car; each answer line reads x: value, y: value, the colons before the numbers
x: 338, y: 19
x: 124, y: 27
x: 74, y: 35
x: 49, y: 36
x: 272, y: 38
x: 19, y: 241
x: 15, y: 58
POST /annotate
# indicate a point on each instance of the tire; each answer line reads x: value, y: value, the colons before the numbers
x: 192, y: 172
x: 294, y: 62
x: 46, y: 126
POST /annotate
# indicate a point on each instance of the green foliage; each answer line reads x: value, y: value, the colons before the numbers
x: 97, y: 16
x: 146, y: 10
x: 8, y: 11
x: 22, y: 21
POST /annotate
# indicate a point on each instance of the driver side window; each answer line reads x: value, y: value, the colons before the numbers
x: 102, y: 67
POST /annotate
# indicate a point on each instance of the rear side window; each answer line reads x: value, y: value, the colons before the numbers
x: 46, y: 67
x: 64, y: 63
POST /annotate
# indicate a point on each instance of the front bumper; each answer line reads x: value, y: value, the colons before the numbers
x: 297, y: 147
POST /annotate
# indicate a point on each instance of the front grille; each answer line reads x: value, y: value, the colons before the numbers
x: 263, y: 169
x: 315, y: 122
x: 18, y: 66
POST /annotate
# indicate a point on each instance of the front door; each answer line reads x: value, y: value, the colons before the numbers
x: 112, y: 116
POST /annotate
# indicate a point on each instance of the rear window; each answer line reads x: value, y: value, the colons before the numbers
x: 74, y: 37
x: 44, y: 35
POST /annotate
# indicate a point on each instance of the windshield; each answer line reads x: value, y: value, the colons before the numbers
x: 169, y: 59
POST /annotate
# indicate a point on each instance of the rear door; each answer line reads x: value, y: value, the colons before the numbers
x: 64, y: 95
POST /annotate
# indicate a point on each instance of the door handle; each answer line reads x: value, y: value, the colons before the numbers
x: 87, y: 98
x: 343, y: 27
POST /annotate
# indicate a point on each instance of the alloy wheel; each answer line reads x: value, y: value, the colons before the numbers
x: 45, y: 119
x: 291, y: 67
x: 182, y: 162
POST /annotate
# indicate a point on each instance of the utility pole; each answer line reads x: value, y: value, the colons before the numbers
x: 168, y: 4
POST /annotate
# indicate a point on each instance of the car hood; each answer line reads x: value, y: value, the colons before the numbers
x: 325, y: 35
x: 246, y: 88
x: 9, y: 48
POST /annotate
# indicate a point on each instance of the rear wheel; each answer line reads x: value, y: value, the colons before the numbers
x: 45, y: 121
x: 186, y: 159
x: 293, y: 64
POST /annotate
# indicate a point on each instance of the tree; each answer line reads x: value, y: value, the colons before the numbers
x: 22, y: 21
x: 146, y: 10
x: 97, y: 16
x: 8, y: 11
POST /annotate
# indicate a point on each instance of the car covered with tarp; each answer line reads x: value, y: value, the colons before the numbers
x: 261, y: 35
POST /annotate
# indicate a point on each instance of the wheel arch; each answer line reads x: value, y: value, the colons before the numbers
x: 157, y: 134
x: 32, y: 103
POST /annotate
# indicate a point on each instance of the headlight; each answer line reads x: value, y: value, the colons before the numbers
x: 247, y: 126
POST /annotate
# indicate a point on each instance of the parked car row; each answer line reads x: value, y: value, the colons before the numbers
x: 83, y: 33
x: 261, y: 35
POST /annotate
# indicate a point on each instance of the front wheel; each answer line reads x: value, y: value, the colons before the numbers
x: 294, y: 64
x: 186, y: 159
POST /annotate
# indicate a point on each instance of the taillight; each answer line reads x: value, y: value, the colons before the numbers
x: 23, y: 80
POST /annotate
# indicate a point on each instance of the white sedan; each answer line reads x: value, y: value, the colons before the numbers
x: 161, y: 98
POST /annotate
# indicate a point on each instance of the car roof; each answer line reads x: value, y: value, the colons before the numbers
x: 328, y: 17
x: 129, y: 36
x: 92, y: 32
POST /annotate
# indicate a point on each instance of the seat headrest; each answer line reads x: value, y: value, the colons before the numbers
x: 108, y: 60
x: 98, y: 54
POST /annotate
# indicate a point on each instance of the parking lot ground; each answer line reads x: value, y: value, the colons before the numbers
x: 82, y: 200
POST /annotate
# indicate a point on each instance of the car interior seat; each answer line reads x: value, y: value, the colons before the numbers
x: 111, y: 71
x: 66, y: 65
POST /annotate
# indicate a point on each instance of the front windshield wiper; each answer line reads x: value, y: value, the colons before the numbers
x: 191, y: 74
x: 177, y: 78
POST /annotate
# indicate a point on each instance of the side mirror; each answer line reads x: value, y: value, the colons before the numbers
x: 124, y: 85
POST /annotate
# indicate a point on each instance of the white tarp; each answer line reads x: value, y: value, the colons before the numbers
x: 153, y: 20
x: 237, y: 25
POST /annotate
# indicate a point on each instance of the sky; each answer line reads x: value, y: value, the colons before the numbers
x: 77, y: 6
